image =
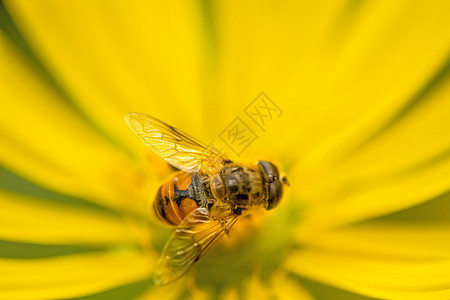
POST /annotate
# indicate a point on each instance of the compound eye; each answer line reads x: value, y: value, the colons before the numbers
x: 275, y: 194
x: 269, y: 169
x: 275, y: 188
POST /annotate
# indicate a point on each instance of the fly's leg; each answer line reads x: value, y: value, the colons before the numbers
x: 223, y: 223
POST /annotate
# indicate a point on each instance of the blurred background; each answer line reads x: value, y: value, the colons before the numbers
x: 349, y: 98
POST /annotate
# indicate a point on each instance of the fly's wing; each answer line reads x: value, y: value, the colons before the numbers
x: 176, y: 147
x: 188, y: 244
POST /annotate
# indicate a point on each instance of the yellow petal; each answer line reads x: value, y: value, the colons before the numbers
x: 280, y: 287
x: 279, y: 41
x: 229, y: 294
x: 28, y: 219
x: 338, y: 70
x: 45, y: 142
x: 120, y: 60
x: 389, y: 54
x: 404, y: 241
x: 70, y: 276
x: 392, y: 195
x: 378, y: 179
x: 368, y: 80
x: 378, y: 277
x: 420, y: 232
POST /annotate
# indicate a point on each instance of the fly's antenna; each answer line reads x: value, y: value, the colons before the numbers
x: 285, y: 180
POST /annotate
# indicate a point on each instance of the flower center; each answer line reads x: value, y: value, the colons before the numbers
x: 258, y: 243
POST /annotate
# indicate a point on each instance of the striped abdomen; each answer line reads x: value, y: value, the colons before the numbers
x: 176, y: 198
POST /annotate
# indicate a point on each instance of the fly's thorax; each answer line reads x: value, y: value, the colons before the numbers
x: 238, y: 185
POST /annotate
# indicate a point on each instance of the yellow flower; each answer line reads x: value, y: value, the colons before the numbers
x: 360, y: 125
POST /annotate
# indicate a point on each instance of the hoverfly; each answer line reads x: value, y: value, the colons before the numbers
x: 205, y: 199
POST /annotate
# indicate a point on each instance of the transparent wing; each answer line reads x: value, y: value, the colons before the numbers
x: 175, y: 146
x: 188, y: 244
